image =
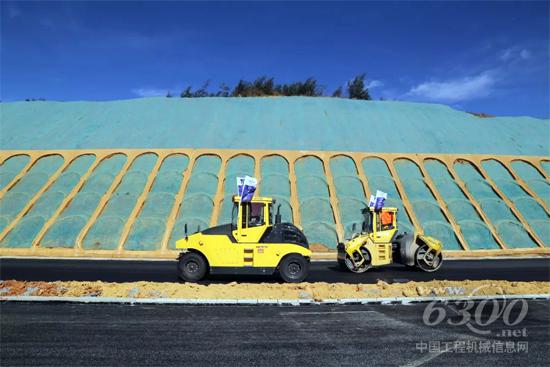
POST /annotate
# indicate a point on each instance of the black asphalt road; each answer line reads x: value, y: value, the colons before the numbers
x: 47, y: 334
x: 537, y: 269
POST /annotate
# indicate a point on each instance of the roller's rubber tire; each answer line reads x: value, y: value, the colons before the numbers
x: 293, y: 268
x: 192, y: 267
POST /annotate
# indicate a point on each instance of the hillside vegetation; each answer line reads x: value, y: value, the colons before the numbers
x: 265, y: 86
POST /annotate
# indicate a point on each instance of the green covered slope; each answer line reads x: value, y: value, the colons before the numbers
x: 287, y: 123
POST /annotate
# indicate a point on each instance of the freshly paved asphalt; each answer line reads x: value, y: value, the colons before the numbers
x: 537, y: 269
x: 48, y: 334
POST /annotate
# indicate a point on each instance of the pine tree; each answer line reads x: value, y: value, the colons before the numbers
x: 356, y: 88
x: 337, y: 93
x: 187, y: 93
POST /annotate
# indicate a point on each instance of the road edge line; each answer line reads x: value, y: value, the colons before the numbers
x: 66, y: 258
x: 279, y: 302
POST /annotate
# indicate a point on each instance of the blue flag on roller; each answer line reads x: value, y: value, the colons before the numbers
x: 240, y: 184
x: 372, y: 201
x: 246, y: 186
x: 380, y: 199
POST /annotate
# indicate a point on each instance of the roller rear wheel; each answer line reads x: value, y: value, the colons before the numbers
x: 294, y: 268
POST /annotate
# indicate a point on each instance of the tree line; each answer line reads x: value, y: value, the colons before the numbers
x: 265, y: 86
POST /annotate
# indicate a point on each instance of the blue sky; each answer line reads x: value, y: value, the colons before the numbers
x: 488, y: 57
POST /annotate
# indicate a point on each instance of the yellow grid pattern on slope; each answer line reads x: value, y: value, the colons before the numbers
x: 448, y: 160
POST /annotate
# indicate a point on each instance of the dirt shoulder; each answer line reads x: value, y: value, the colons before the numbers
x: 272, y: 291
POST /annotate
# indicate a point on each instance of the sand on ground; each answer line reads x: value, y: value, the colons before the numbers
x: 234, y: 290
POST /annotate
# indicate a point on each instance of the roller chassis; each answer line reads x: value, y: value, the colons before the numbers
x: 253, y: 243
x: 379, y: 245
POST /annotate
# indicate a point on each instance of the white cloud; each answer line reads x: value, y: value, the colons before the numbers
x: 149, y: 92
x: 506, y: 54
x: 513, y: 54
x: 525, y: 54
x: 374, y: 84
x: 455, y: 90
